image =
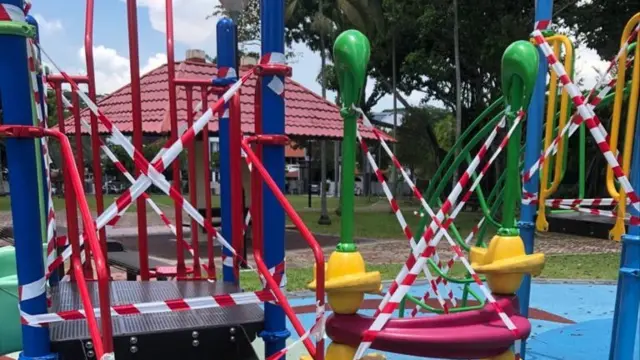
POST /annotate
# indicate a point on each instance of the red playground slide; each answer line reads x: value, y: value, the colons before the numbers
x: 472, y: 334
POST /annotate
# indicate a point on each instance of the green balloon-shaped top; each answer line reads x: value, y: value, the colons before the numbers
x: 351, y: 53
x: 519, y: 68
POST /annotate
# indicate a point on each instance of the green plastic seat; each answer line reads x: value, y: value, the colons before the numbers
x: 10, y: 332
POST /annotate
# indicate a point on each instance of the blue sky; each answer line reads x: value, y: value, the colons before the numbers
x: 62, y: 31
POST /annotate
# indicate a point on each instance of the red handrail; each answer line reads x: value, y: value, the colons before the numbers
x: 260, y: 174
x: 102, y: 344
x: 95, y: 136
x: 75, y: 100
x: 57, y: 78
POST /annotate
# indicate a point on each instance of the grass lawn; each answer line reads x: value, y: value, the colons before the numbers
x: 382, y: 224
x: 592, y: 266
x: 299, y: 202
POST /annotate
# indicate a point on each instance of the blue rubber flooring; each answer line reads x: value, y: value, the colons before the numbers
x: 589, y: 307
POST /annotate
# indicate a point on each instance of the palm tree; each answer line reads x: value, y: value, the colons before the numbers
x: 324, y: 215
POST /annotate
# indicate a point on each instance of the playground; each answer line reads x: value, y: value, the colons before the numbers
x: 247, y: 276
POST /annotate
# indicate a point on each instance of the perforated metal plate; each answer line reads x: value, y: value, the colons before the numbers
x: 66, y: 297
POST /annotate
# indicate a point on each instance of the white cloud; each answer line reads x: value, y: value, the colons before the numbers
x: 48, y: 27
x: 190, y: 22
x: 589, y: 67
x: 112, y: 69
x: 154, y: 62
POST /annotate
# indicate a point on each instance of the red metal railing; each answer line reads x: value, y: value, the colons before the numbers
x: 136, y: 119
x: 95, y: 136
x: 193, y: 192
x: 173, y: 117
x: 207, y: 189
x: 258, y: 176
x: 103, y: 344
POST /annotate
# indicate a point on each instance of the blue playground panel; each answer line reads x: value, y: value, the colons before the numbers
x: 590, y: 307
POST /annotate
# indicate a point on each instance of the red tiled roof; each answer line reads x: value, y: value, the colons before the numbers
x: 306, y: 113
x: 293, y: 152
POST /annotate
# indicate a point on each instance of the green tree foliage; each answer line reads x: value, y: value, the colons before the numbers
x: 248, y: 23
x: 424, y: 135
x: 599, y: 24
x: 149, y: 150
x: 445, y: 131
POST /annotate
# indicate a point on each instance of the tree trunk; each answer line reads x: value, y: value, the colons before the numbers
x: 324, y: 216
x: 394, y: 182
x: 456, y: 49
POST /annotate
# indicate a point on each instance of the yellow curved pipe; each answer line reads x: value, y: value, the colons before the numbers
x: 557, y: 42
x: 618, y: 229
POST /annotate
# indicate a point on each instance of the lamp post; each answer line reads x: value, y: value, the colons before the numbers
x: 235, y: 8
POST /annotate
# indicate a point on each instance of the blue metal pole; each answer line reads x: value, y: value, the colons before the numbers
x: 226, y: 43
x: 535, y: 117
x: 625, y: 318
x: 53, y: 280
x: 24, y: 162
x: 275, y: 333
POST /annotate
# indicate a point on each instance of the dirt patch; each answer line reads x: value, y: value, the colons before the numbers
x: 396, y: 251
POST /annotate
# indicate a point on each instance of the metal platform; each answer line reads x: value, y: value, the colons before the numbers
x: 129, y: 261
x: 198, y: 334
x: 582, y: 224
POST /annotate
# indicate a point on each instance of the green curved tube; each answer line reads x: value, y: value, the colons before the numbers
x: 458, y: 144
x: 418, y: 302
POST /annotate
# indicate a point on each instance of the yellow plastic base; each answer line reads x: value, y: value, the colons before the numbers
x: 505, y: 263
x: 617, y: 231
x: 346, y: 281
x: 344, y: 352
x: 509, y: 355
x: 541, y: 222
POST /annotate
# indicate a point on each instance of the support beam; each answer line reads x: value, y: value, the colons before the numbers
x: 24, y: 160
x: 532, y: 152
x: 226, y: 60
x: 275, y: 333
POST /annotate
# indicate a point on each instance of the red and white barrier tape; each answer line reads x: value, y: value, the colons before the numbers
x: 590, y: 118
x: 433, y: 227
x: 34, y: 72
x: 175, y: 305
x: 316, y: 331
x: 401, y: 220
x: 275, y: 84
x: 279, y: 273
x: 578, y: 202
x: 10, y: 12
x: 396, y: 209
x: 27, y: 7
x: 131, y: 179
x: 572, y: 126
x: 426, y: 248
x: 597, y: 212
x: 542, y: 24
x: 152, y: 173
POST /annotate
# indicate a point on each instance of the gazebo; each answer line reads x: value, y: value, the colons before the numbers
x: 307, y: 115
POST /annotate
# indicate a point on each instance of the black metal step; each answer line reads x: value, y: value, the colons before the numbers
x: 582, y: 224
x: 217, y: 333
